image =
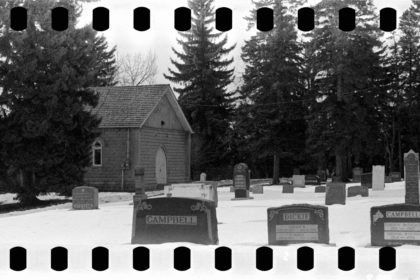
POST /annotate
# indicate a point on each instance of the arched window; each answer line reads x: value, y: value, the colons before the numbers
x: 97, y: 154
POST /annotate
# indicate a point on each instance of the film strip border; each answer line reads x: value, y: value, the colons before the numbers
x: 182, y: 19
x: 222, y: 259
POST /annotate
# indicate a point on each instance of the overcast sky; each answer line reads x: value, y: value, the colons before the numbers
x: 162, y: 35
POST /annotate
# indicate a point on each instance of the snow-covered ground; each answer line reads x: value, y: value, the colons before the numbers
x: 242, y: 227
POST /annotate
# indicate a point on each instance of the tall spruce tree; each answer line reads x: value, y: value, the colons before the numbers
x: 45, y: 75
x: 203, y: 70
x: 343, y: 116
x: 409, y: 66
x: 271, y: 120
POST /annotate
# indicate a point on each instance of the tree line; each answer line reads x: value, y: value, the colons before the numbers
x: 324, y: 99
x: 318, y: 100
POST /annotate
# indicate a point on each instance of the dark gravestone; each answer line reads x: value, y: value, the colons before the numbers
x: 259, y: 188
x: 335, y: 193
x: 85, y: 198
x: 357, y: 173
x: 395, y: 176
x: 366, y: 180
x: 312, y: 180
x: 388, y: 179
x: 241, y: 181
x: 353, y: 191
x: 320, y: 189
x: 299, y: 223
x: 411, y: 163
x: 364, y: 191
x: 288, y: 188
x: 161, y: 220
x: 395, y: 224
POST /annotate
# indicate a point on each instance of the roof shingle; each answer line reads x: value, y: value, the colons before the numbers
x: 127, y: 106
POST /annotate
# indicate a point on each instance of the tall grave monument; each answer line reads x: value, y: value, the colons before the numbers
x: 378, y: 177
x: 241, y: 181
x: 411, y: 163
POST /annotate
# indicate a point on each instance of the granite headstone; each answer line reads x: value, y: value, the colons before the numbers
x: 313, y: 180
x: 411, y: 163
x: 395, y: 176
x: 320, y: 189
x: 353, y: 191
x: 395, y: 224
x: 298, y: 181
x: 241, y: 181
x: 85, y: 198
x: 357, y: 173
x: 162, y: 220
x: 366, y: 180
x: 299, y: 223
x: 378, y: 177
x: 288, y: 188
x: 335, y: 193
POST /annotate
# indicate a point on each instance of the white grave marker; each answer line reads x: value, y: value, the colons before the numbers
x: 378, y: 177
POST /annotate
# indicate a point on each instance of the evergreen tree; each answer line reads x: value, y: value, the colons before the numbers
x: 203, y: 70
x: 409, y: 66
x: 272, y: 114
x: 45, y: 77
x: 344, y: 110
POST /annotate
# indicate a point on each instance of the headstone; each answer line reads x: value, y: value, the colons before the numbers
x: 287, y: 188
x: 353, y: 191
x: 162, y: 220
x: 312, y: 180
x: 366, y: 180
x: 364, y: 191
x: 241, y: 181
x: 85, y: 198
x: 192, y: 190
x: 298, y: 181
x: 259, y: 189
x: 388, y: 179
x: 335, y: 193
x: 231, y: 189
x: 203, y: 177
x: 378, y: 177
x: 299, y: 223
x: 320, y: 189
x: 139, y: 187
x: 357, y: 173
x: 395, y: 176
x: 411, y: 163
x: 395, y: 224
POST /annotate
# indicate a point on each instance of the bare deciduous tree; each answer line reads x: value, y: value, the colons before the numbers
x: 136, y: 69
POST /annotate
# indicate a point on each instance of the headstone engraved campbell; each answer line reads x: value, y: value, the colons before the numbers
x: 241, y: 181
x: 411, y: 163
x: 335, y: 193
x: 85, y: 198
x: 395, y: 224
x: 299, y: 223
x: 162, y: 220
x: 378, y: 177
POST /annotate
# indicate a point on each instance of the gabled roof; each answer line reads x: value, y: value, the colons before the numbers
x: 131, y: 106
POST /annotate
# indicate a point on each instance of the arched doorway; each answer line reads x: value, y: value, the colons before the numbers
x: 161, y: 174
